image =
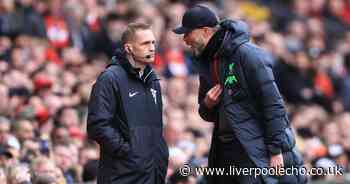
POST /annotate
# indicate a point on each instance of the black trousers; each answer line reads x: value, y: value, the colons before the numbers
x: 231, y: 156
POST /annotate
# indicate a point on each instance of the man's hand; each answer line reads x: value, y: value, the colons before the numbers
x: 276, y: 162
x: 212, y: 97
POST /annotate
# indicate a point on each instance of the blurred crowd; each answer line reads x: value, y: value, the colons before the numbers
x: 51, y: 52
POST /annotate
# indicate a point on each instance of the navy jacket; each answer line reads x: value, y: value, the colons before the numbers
x: 251, y: 105
x: 125, y: 118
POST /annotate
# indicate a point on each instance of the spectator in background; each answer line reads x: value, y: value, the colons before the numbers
x: 3, y: 178
x: 43, y: 165
x: 19, y: 174
x: 81, y: 34
x: 24, y: 130
x: 4, y: 130
x: 35, y: 25
x: 336, y: 15
x: 63, y: 159
x: 56, y: 26
x: 109, y: 38
x: 345, y: 90
x: 5, y: 157
x: 10, y: 19
x: 89, y: 152
x: 176, y: 91
x: 44, y: 168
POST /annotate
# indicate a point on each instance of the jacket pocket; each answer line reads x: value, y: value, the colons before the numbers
x: 142, y: 148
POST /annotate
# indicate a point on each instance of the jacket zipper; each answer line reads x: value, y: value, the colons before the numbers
x: 149, y: 73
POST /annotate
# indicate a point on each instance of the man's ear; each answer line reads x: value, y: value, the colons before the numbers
x: 127, y: 48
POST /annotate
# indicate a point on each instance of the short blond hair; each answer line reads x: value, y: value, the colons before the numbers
x: 131, y: 30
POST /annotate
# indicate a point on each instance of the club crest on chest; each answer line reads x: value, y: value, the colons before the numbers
x: 154, y: 94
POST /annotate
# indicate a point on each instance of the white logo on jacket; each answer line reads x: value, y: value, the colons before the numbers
x: 154, y: 94
x: 133, y: 94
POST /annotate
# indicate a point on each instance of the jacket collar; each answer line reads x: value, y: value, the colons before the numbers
x: 213, y: 46
x: 226, y: 40
x: 120, y: 59
x: 236, y: 33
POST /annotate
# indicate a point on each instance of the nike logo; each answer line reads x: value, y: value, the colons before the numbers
x: 133, y: 94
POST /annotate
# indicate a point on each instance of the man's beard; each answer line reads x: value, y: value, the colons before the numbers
x: 197, y: 51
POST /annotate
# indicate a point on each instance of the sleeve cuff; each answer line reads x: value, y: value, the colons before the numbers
x: 274, y: 150
x: 204, y: 107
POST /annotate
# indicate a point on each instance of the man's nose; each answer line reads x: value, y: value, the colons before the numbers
x: 185, y: 38
x: 152, y: 47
